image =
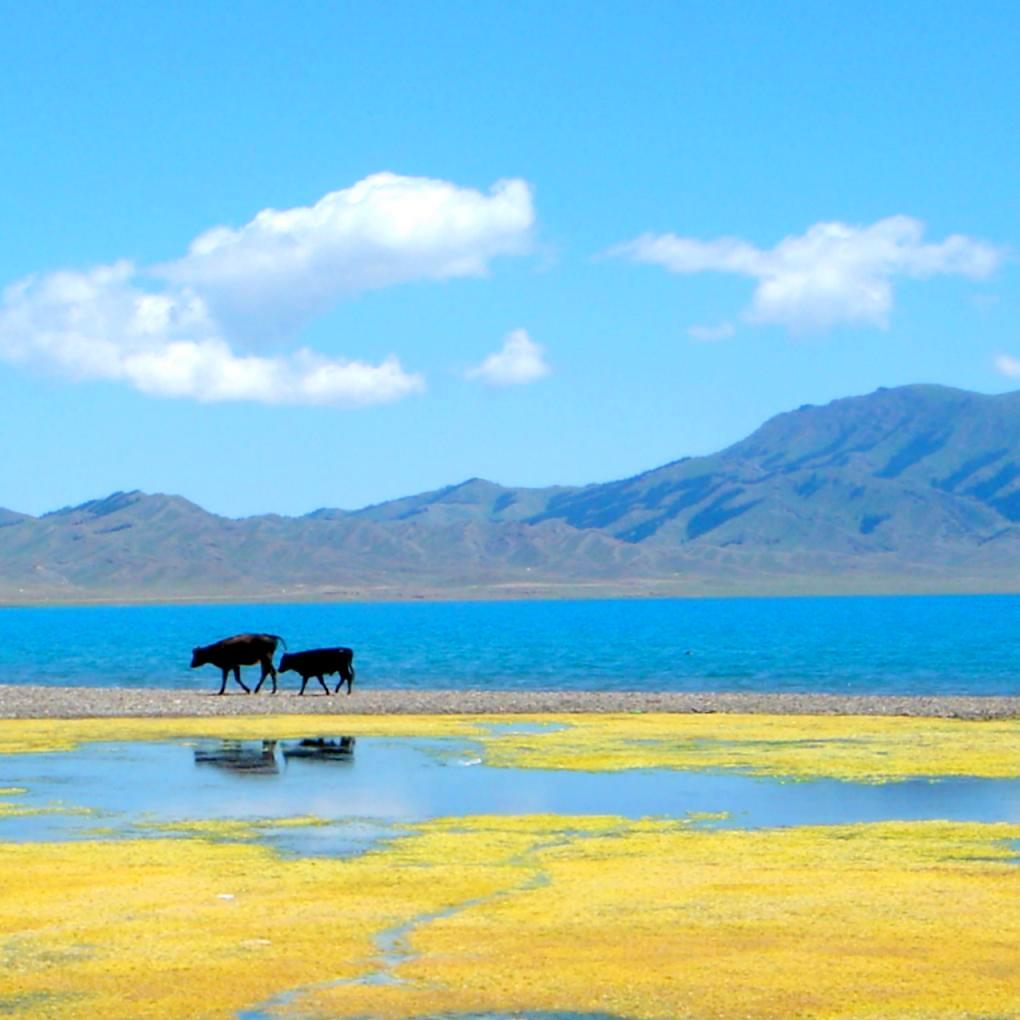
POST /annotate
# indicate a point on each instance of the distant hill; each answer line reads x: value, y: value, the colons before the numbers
x: 912, y: 470
x: 908, y: 489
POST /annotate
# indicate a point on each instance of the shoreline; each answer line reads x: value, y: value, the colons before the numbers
x: 650, y: 589
x: 858, y: 584
x: 19, y: 701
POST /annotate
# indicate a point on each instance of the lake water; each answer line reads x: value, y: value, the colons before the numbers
x: 880, y: 645
x: 370, y: 789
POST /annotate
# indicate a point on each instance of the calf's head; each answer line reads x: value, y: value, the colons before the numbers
x: 284, y: 664
x: 198, y: 657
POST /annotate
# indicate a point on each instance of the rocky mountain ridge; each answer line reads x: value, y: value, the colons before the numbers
x: 913, y: 488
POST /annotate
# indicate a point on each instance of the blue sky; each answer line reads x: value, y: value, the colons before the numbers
x: 277, y: 257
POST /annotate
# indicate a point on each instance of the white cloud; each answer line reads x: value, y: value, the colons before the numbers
x: 833, y: 274
x: 98, y: 325
x: 175, y: 330
x: 1007, y: 365
x: 285, y: 266
x: 520, y: 360
x: 211, y: 373
x: 708, y: 334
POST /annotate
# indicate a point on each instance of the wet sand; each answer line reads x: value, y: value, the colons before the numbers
x: 46, y: 702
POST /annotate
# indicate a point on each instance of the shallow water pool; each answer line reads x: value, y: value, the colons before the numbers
x: 354, y: 792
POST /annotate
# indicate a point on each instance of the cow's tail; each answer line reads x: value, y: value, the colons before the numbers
x: 350, y: 666
x: 277, y: 637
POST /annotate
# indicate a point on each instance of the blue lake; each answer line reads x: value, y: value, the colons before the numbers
x: 888, y: 645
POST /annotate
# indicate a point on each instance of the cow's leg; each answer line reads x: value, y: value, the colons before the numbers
x: 237, y: 677
x: 223, y: 686
x: 304, y: 684
x: 267, y: 670
x: 340, y: 683
x: 323, y: 683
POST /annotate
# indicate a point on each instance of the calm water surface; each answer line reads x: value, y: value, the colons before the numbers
x: 909, y: 645
x: 373, y: 787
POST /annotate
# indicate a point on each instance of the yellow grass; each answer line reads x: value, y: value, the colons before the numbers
x: 637, y: 919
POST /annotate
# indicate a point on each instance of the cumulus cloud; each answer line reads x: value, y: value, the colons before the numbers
x: 1007, y: 365
x: 99, y: 325
x: 175, y: 330
x: 520, y: 360
x: 708, y: 334
x: 833, y: 274
x: 286, y: 265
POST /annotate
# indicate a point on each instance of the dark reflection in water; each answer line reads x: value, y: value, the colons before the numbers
x: 247, y: 757
x: 340, y: 749
x: 259, y: 757
x: 390, y: 782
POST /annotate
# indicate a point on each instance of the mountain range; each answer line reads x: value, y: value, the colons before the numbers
x: 910, y: 489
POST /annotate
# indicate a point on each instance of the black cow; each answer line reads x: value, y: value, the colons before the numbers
x: 240, y: 650
x: 320, y: 662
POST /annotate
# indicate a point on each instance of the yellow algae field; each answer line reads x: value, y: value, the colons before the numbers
x: 536, y: 915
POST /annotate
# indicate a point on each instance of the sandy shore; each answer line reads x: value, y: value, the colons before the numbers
x: 38, y: 702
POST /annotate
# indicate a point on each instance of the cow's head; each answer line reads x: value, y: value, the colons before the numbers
x: 198, y: 657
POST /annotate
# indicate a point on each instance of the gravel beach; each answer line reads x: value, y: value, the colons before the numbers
x: 39, y: 702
